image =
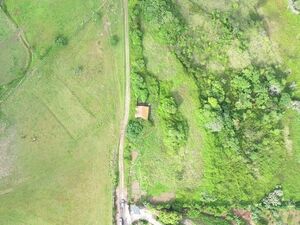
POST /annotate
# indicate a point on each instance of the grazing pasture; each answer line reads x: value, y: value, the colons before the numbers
x: 61, y: 123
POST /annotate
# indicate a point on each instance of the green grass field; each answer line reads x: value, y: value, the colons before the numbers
x: 60, y: 125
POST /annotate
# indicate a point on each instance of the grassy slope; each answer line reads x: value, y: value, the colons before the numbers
x: 284, y: 28
x: 66, y: 123
x: 13, y: 55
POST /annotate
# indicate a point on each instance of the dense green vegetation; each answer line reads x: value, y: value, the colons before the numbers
x: 243, y: 95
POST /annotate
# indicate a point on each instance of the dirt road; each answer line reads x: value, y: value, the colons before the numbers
x: 122, y: 211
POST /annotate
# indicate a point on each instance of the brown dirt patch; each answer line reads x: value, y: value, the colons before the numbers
x: 7, y: 156
x: 134, y: 155
x: 163, y: 198
x: 187, y: 222
x: 136, y: 192
x: 245, y: 215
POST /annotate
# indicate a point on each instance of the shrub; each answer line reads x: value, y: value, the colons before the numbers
x: 114, y: 40
x: 61, y: 40
x: 174, y: 126
x: 139, y: 87
x: 134, y: 129
x: 169, y: 218
x: 273, y: 199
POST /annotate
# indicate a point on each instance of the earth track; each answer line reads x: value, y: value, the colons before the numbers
x: 121, y: 193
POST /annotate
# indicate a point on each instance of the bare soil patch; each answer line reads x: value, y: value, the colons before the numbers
x: 187, y: 222
x: 134, y: 155
x: 136, y: 192
x: 245, y: 215
x: 6, y: 152
x: 163, y: 198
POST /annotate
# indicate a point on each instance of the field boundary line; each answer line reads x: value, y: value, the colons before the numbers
x: 76, y: 97
x: 54, y: 116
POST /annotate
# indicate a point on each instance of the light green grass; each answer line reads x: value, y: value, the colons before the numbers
x: 44, y: 21
x: 160, y: 61
x: 65, y: 121
x: 13, y: 55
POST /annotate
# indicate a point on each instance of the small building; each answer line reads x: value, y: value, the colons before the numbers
x: 142, y: 111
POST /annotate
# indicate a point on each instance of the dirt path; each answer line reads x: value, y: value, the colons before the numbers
x: 121, y: 194
x: 127, y: 98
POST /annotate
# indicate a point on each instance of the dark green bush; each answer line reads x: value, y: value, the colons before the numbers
x: 114, y: 40
x: 134, y: 129
x: 61, y: 40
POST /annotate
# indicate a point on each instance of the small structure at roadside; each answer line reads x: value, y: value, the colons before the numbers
x: 142, y: 111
